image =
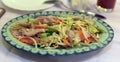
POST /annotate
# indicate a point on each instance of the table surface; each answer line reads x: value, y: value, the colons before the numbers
x: 111, y: 53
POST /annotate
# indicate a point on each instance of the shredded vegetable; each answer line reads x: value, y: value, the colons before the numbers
x: 56, y: 32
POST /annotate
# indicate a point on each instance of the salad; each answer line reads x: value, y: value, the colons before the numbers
x: 56, y: 32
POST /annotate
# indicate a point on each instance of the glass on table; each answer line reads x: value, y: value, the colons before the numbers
x: 79, y: 4
x: 105, y: 5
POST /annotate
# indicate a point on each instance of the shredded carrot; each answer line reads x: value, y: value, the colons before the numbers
x: 27, y: 41
x: 41, y: 26
x: 82, y: 37
x: 89, y: 40
x: 66, y: 42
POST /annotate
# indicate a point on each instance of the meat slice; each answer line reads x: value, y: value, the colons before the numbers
x: 70, y: 34
x: 46, y: 19
x: 32, y: 32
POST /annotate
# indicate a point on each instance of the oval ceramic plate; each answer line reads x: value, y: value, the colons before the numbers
x: 105, y: 38
x: 27, y: 5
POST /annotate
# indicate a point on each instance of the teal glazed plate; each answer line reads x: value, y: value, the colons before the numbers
x: 105, y: 38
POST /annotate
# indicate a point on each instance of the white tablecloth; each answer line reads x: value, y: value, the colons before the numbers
x: 111, y: 53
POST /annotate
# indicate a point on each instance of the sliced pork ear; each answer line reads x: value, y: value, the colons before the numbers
x: 32, y: 32
x: 17, y: 33
x: 50, y: 18
x: 46, y: 19
x: 70, y: 34
x: 40, y: 18
x: 26, y: 25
